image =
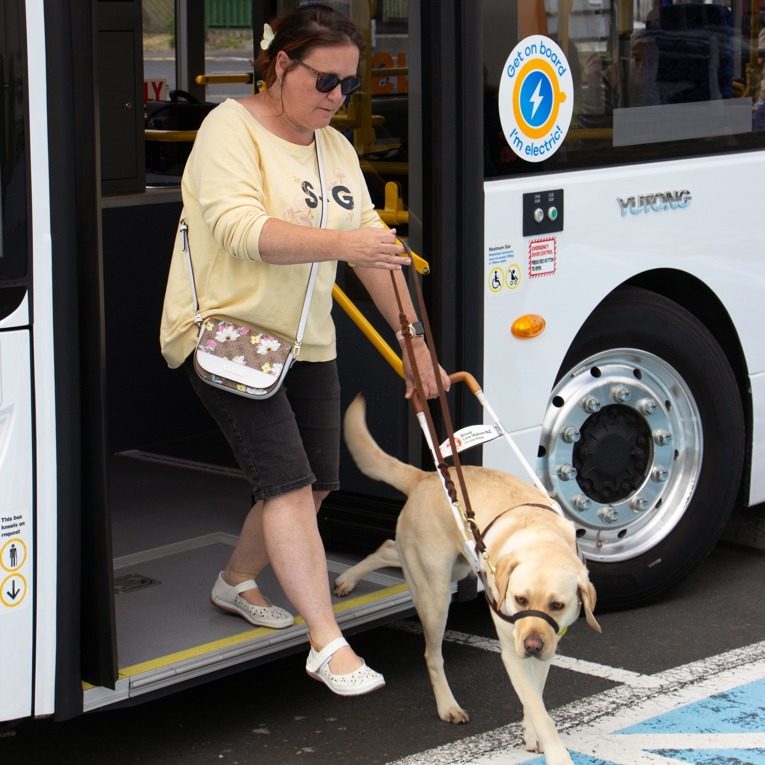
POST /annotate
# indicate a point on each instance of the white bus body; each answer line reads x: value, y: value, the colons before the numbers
x: 586, y: 169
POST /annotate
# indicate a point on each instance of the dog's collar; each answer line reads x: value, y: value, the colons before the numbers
x: 510, y: 510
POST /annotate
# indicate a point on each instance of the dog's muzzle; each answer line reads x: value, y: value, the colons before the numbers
x: 539, y: 614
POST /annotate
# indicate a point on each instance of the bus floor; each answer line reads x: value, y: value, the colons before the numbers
x: 173, y: 529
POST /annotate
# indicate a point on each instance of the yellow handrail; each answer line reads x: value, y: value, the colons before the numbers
x: 170, y: 135
x: 369, y: 331
x: 246, y: 78
x: 421, y: 266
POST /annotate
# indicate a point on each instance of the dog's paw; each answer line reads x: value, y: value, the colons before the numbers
x: 343, y: 585
x: 455, y: 715
x: 530, y: 741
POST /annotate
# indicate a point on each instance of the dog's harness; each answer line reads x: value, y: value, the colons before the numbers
x: 474, y: 549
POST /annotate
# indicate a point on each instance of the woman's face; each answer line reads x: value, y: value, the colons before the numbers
x: 304, y: 106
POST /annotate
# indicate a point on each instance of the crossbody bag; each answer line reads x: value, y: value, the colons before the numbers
x: 247, y: 359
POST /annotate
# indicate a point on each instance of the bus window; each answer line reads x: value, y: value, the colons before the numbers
x: 13, y: 159
x: 650, y: 80
x: 225, y: 51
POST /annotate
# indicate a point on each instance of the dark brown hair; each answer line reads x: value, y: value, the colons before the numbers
x: 302, y: 30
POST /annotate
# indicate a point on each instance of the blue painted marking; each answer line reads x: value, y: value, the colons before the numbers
x: 740, y: 710
x: 716, y: 756
x: 579, y: 759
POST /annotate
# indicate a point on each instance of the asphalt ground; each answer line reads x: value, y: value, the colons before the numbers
x: 275, y: 714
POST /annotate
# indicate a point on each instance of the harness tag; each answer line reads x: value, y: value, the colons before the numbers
x: 470, y: 436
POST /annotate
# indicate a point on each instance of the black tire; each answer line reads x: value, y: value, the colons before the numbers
x: 643, y: 444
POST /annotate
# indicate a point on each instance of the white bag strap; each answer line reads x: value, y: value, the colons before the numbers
x: 314, y: 266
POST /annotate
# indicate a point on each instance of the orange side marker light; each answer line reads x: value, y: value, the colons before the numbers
x: 527, y: 326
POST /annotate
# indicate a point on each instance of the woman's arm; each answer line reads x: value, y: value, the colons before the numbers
x: 286, y: 243
x: 380, y: 288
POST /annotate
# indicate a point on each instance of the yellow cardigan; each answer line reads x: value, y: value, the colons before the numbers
x: 238, y: 175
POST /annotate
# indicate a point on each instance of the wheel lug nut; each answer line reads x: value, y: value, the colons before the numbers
x: 620, y: 393
x: 639, y: 504
x: 570, y: 434
x: 581, y: 502
x: 608, y: 514
x: 567, y: 472
x: 591, y: 404
x: 647, y: 406
x: 662, y: 437
x: 659, y: 474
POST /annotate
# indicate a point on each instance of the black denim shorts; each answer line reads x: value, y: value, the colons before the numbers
x: 287, y: 441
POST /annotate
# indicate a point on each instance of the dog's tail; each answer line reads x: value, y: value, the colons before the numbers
x: 370, y: 458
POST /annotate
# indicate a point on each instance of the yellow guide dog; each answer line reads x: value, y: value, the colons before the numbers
x: 539, y: 580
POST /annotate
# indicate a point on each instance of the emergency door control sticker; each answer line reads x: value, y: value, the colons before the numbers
x: 536, y: 98
x: 543, y: 256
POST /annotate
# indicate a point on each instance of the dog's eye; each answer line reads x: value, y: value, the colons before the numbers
x: 522, y: 602
x: 556, y: 605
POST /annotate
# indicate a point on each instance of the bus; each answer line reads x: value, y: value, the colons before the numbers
x: 579, y: 175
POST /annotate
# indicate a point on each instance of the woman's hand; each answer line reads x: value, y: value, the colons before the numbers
x: 373, y: 248
x: 425, y: 369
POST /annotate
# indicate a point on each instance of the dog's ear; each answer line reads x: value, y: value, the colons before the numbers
x: 505, y: 567
x: 588, y: 598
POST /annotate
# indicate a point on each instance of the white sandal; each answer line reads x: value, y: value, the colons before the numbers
x: 362, y: 680
x: 228, y: 598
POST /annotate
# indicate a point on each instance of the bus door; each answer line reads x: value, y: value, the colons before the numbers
x: 17, y: 517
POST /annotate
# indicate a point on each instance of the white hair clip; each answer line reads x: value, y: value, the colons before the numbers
x: 268, y: 37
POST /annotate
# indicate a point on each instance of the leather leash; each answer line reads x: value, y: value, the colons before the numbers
x: 467, y: 514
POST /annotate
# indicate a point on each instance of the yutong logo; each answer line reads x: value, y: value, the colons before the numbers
x: 664, y: 200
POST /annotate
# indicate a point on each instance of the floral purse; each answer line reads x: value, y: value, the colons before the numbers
x: 242, y: 358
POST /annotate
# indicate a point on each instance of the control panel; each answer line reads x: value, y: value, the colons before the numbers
x: 542, y: 212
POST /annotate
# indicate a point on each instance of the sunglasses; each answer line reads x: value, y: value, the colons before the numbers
x: 326, y: 83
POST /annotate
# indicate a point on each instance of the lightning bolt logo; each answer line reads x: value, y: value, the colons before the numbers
x: 536, y: 99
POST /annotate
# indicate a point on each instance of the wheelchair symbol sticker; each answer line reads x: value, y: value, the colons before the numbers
x: 536, y: 98
x: 496, y: 279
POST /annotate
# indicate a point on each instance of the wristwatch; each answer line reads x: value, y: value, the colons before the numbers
x: 415, y: 329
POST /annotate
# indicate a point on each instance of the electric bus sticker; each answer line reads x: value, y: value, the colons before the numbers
x: 513, y: 278
x: 536, y: 98
x: 496, y: 279
x: 543, y: 256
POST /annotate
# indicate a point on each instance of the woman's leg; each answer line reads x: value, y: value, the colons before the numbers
x: 283, y: 530
x: 250, y: 555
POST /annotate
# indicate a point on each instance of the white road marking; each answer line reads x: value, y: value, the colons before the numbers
x: 591, y: 727
x: 615, y: 674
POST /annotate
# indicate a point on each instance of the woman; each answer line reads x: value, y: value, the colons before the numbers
x: 252, y: 203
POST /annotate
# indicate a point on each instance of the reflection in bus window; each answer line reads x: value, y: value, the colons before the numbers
x: 650, y: 79
x: 228, y: 49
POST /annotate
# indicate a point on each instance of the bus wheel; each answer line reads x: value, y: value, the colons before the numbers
x: 643, y: 444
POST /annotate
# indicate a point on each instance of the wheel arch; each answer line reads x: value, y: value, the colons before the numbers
x: 696, y: 297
